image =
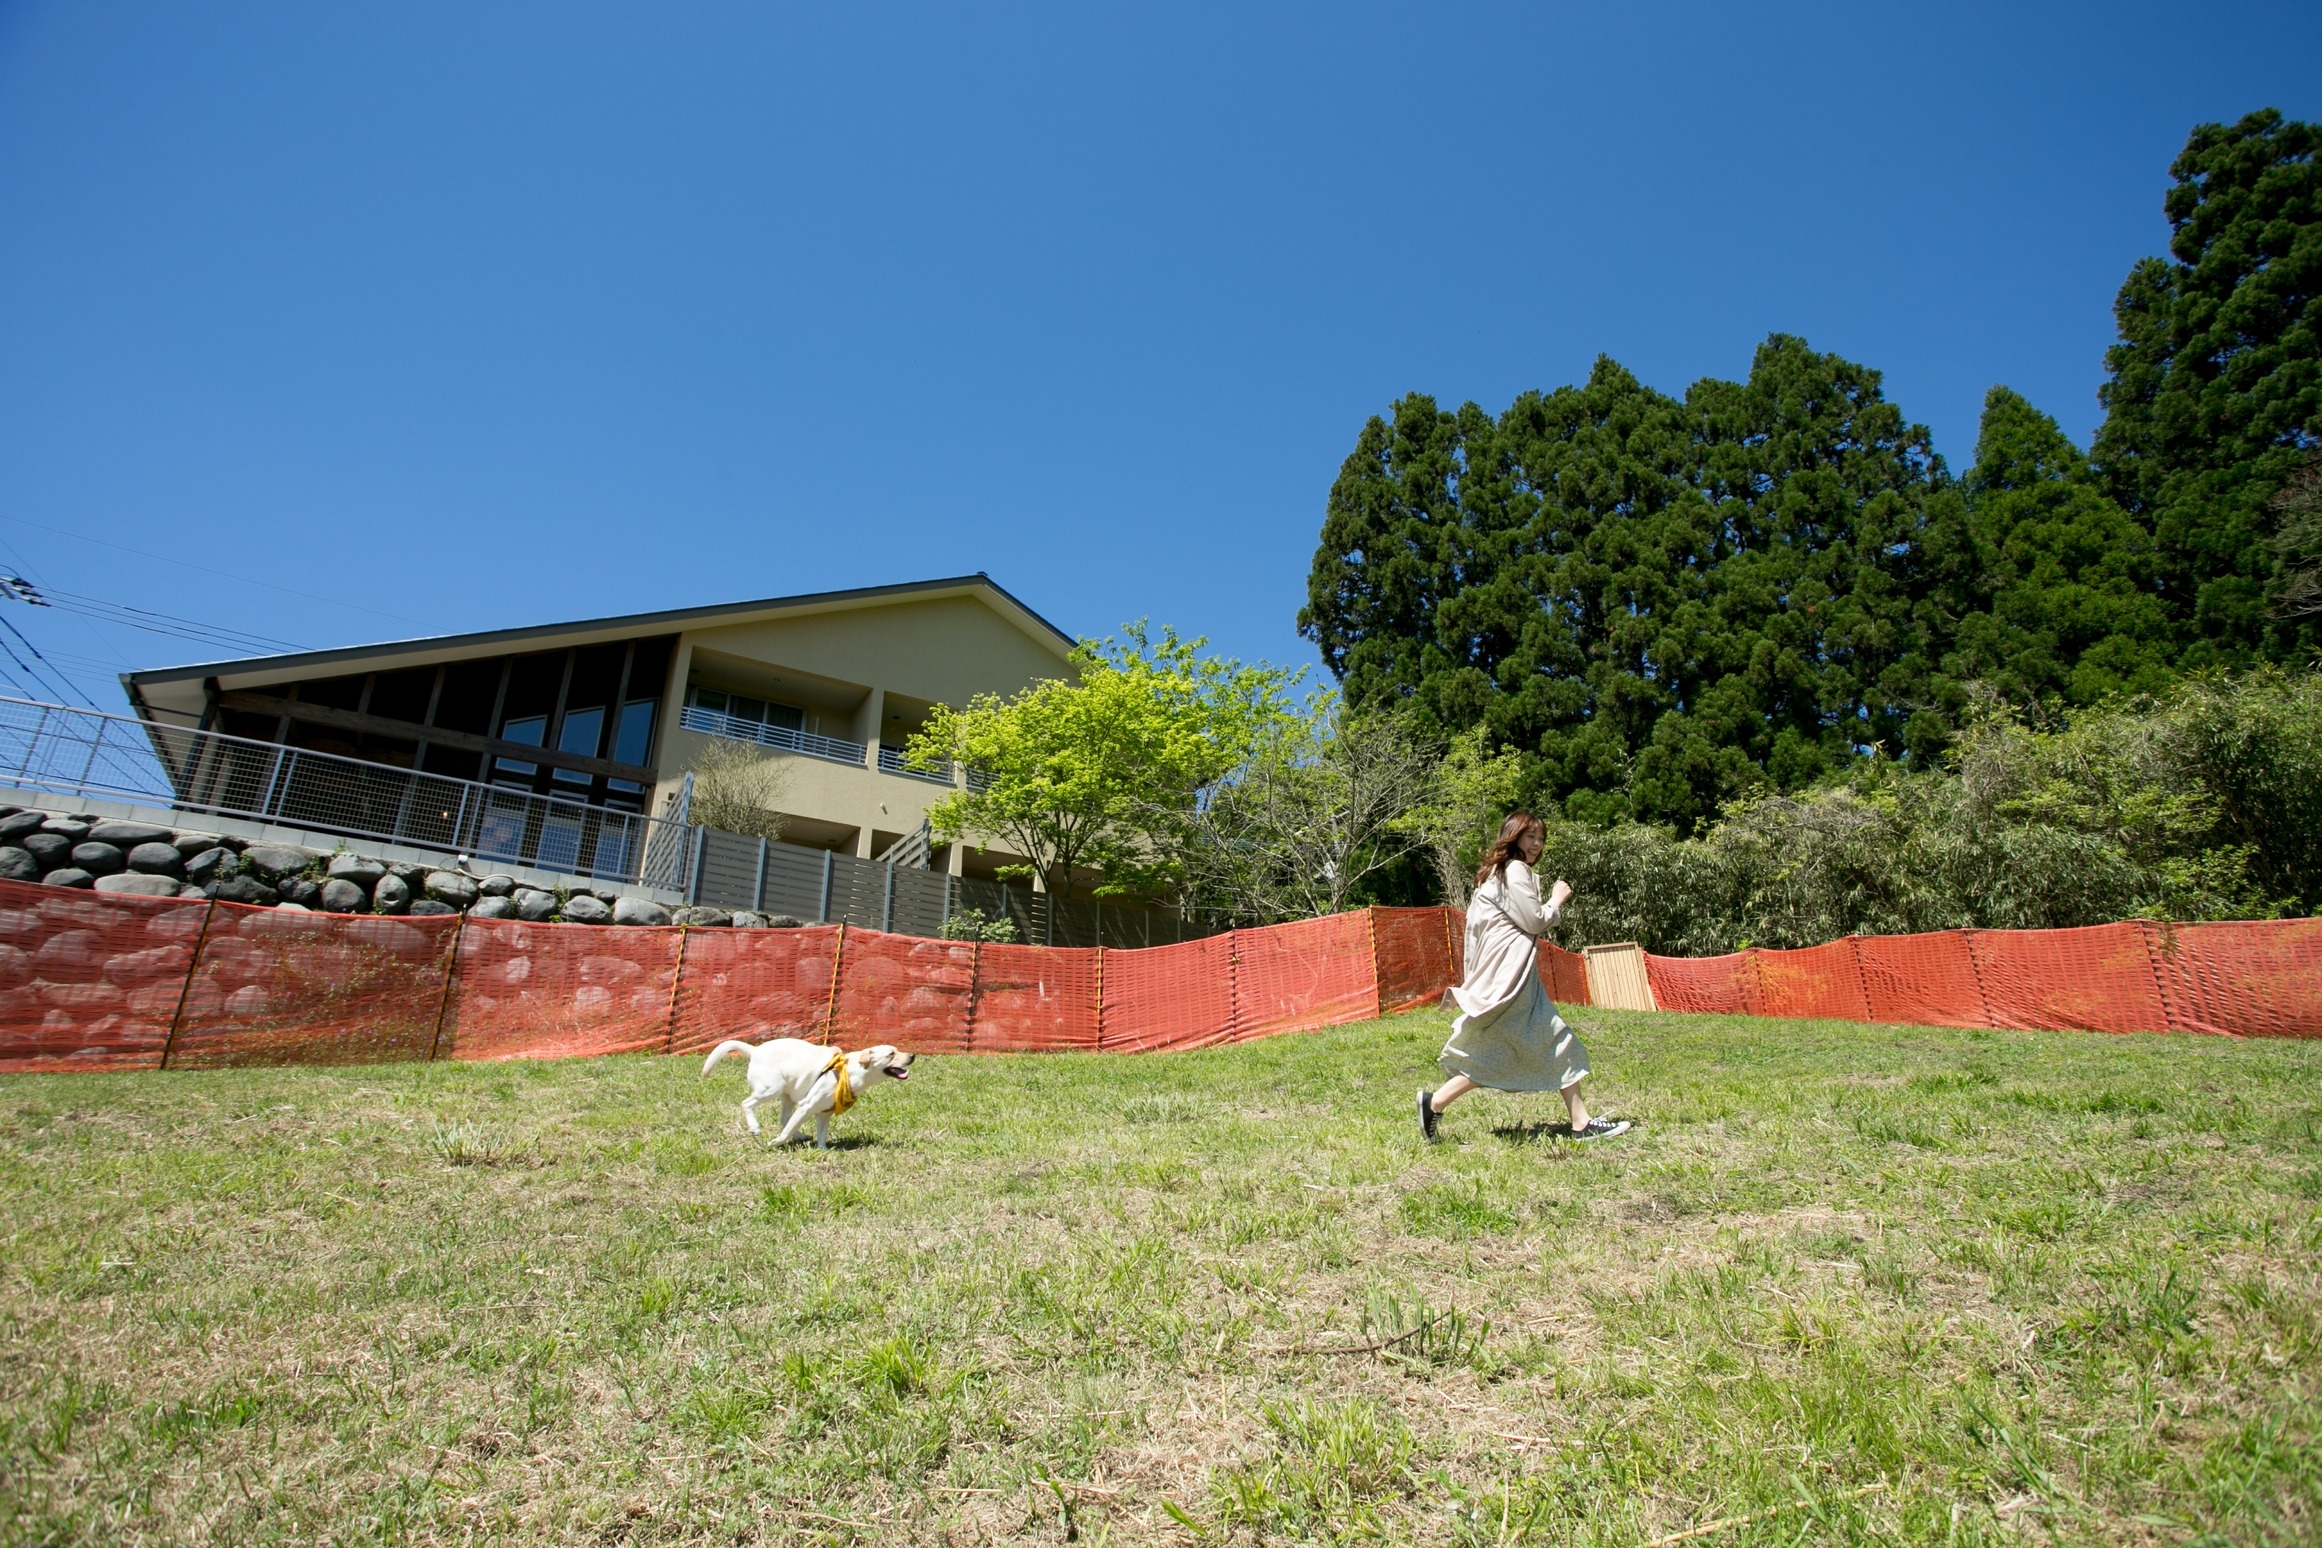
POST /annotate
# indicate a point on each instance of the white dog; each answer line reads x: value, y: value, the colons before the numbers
x: 809, y: 1080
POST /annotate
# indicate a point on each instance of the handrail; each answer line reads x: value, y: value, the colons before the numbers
x: 733, y: 728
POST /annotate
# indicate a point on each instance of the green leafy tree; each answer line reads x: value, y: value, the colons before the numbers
x: 1079, y: 776
x: 2216, y: 384
x: 1323, y: 805
x: 2071, y: 609
x: 1661, y: 605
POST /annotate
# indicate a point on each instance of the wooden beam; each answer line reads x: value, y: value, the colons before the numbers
x: 380, y: 725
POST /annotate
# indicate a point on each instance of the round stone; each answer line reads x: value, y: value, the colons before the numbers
x: 17, y: 864
x: 341, y: 896
x: 391, y: 896
x: 639, y: 911
x: 155, y: 858
x: 99, y: 859
x: 452, y: 888
x: 493, y: 908
x: 140, y: 885
x: 580, y: 908
x: 125, y: 835
x: 68, y: 876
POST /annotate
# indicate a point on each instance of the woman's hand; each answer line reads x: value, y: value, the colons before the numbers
x: 1560, y: 893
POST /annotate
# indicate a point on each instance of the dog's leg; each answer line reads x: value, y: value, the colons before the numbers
x: 750, y: 1109
x: 820, y: 1093
x: 822, y: 1131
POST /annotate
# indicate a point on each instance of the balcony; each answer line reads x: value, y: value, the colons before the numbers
x: 733, y: 728
x: 891, y: 762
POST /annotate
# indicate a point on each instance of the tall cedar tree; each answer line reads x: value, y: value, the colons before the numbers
x: 1660, y: 603
x: 2069, y: 609
x: 2216, y: 383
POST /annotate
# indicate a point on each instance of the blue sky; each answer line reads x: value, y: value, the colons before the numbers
x: 445, y: 317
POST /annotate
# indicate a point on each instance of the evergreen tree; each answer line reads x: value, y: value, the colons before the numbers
x: 1660, y: 604
x: 2216, y: 383
x: 2070, y: 609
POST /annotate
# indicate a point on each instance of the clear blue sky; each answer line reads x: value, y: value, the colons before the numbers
x: 470, y: 315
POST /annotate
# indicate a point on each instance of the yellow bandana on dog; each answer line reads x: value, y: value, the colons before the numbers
x: 846, y: 1087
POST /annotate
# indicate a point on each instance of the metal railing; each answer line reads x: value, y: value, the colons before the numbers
x: 891, y: 762
x: 65, y: 751
x: 733, y: 728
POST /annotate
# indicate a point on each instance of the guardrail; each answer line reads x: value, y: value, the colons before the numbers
x: 733, y: 728
x: 77, y: 752
x: 891, y: 762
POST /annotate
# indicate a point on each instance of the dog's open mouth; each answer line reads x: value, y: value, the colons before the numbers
x: 898, y: 1072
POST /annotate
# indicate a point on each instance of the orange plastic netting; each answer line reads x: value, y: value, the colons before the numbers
x: 539, y: 991
x: 1179, y: 996
x: 1564, y: 974
x: 1029, y: 998
x: 275, y: 987
x: 2096, y: 979
x: 1925, y: 980
x: 2231, y: 978
x: 106, y: 981
x: 1310, y: 973
x: 1415, y: 955
x: 755, y: 985
x: 912, y: 992
x: 91, y: 982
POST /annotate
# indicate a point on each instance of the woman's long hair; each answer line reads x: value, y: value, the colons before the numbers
x: 1501, y: 850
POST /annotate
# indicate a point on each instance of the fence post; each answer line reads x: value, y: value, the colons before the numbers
x: 451, y: 978
x: 2146, y: 930
x: 676, y: 979
x: 1982, y: 995
x: 1378, y: 979
x: 1233, y: 982
x: 758, y: 887
x: 192, y: 966
x: 887, y: 904
x: 1862, y: 976
x: 823, y: 914
x: 700, y: 851
x: 1100, y: 1005
x: 838, y: 963
x: 975, y: 989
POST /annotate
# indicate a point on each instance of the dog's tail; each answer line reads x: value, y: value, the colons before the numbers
x: 729, y: 1046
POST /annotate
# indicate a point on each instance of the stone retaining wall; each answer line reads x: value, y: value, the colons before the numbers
x: 114, y: 854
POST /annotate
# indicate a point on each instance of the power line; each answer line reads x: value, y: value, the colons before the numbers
x: 289, y: 591
x: 168, y: 623
x: 64, y: 687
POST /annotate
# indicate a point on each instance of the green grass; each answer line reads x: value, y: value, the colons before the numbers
x: 1854, y: 1284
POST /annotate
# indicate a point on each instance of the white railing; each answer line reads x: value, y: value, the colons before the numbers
x: 75, y: 752
x: 733, y: 728
x: 891, y: 762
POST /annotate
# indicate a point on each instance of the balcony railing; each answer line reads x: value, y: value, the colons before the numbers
x: 76, y: 752
x: 733, y: 728
x: 891, y: 762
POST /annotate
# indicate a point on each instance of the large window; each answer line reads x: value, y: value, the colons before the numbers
x: 742, y: 707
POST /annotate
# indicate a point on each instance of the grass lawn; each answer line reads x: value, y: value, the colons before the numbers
x: 1850, y: 1283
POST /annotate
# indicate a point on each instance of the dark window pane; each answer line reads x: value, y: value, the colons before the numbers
x: 333, y: 692
x: 529, y: 730
x: 508, y: 770
x: 649, y: 668
x: 469, y: 687
x: 786, y: 717
x: 457, y: 762
x: 749, y: 709
x: 710, y: 699
x: 635, y: 741
x: 403, y: 695
x: 583, y: 732
x: 533, y: 682
x: 596, y: 676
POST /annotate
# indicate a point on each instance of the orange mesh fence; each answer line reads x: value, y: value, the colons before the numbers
x: 1821, y: 982
x: 2231, y: 978
x: 541, y: 991
x: 1034, y: 998
x: 89, y: 982
x: 108, y: 981
x: 2096, y: 979
x: 276, y: 987
x: 1925, y: 980
x: 1311, y: 973
x: 1413, y: 952
x: 914, y: 993
x: 1179, y: 996
x: 1711, y: 984
x: 756, y: 985
x: 1564, y: 974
